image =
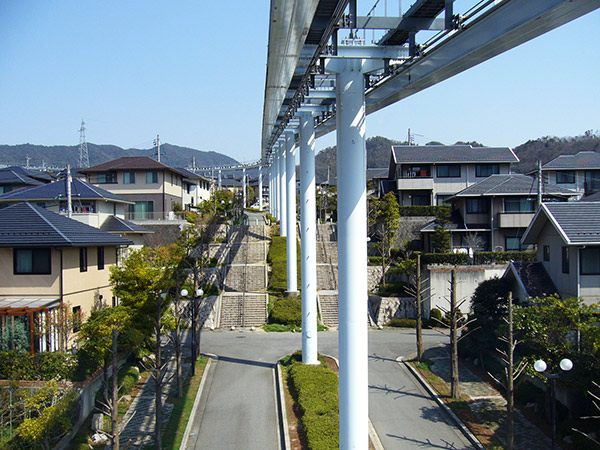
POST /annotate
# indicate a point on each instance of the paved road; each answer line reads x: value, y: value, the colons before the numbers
x: 238, y: 408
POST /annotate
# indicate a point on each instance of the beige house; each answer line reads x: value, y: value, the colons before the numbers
x: 52, y: 261
x: 153, y: 187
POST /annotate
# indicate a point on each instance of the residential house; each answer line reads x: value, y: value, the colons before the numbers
x: 153, y: 187
x: 50, y: 260
x: 90, y: 204
x: 430, y: 174
x: 579, y: 172
x: 15, y: 177
x: 568, y: 246
x: 494, y: 213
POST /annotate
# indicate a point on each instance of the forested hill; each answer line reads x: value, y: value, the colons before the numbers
x: 547, y: 148
x: 61, y: 155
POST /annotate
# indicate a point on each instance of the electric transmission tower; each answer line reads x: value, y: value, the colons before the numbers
x: 84, y: 158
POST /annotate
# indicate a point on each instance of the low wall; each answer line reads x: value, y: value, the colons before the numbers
x: 384, y: 309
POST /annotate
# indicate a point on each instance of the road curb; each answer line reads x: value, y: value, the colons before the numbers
x: 461, y: 426
x: 188, y: 428
x: 282, y: 409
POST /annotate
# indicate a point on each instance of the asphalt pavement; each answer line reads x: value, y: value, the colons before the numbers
x: 238, y: 407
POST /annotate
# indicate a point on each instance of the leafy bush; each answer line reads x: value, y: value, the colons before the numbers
x: 440, y: 211
x: 127, y: 378
x: 435, y: 315
x: 287, y: 311
x: 455, y: 259
x: 499, y: 257
x: 315, y: 389
x: 403, y: 323
x: 375, y: 260
x: 40, y: 366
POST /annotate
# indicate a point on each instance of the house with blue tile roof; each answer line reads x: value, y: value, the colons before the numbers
x: 50, y: 260
x: 579, y: 172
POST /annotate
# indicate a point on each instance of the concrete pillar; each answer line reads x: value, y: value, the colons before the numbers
x: 352, y: 253
x: 290, y: 181
x: 308, y: 226
x: 282, y: 192
x: 276, y: 187
x: 270, y: 172
x: 244, y: 187
x: 260, y: 198
x: 220, y: 185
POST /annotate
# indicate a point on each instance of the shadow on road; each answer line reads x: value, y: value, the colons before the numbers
x: 246, y: 362
x: 427, y: 443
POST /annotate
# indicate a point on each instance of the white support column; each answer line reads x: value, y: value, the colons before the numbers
x: 276, y: 184
x: 244, y: 187
x: 352, y: 250
x: 290, y: 178
x: 220, y: 185
x: 308, y: 225
x: 270, y: 172
x: 282, y: 192
x: 260, y: 198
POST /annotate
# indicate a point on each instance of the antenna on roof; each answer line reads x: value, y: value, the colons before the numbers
x: 84, y: 159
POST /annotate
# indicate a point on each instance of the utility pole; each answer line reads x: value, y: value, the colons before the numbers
x: 157, y: 144
x: 69, y: 196
x: 84, y: 159
x: 540, y: 182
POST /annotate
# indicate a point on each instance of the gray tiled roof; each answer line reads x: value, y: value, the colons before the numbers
x: 452, y: 153
x: 511, y: 184
x: 114, y: 224
x: 534, y: 278
x: 10, y: 176
x: 128, y: 163
x: 80, y: 190
x: 26, y: 225
x: 581, y: 160
x: 580, y: 221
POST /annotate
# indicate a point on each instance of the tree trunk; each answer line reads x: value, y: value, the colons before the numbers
x: 454, y: 386
x: 419, y: 312
x: 510, y: 379
x: 177, y: 314
x: 115, y: 394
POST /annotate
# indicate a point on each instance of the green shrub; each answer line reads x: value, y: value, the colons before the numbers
x: 127, y: 378
x: 402, y: 323
x: 315, y: 389
x: 435, y: 314
x: 455, y: 259
x: 499, y: 257
x: 441, y: 211
x: 374, y: 260
x: 287, y: 311
x: 42, y: 366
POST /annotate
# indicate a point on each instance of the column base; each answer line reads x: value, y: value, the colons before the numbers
x: 291, y: 293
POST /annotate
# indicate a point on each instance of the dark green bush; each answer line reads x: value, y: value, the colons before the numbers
x: 455, y: 259
x: 499, y: 257
x: 315, y: 389
x: 127, y: 378
x: 441, y: 211
x: 42, y: 366
x: 374, y: 260
x: 87, y: 364
x: 287, y: 311
x: 435, y: 315
x: 402, y: 323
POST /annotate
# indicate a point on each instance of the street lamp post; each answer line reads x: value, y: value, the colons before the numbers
x: 194, y: 308
x: 540, y: 366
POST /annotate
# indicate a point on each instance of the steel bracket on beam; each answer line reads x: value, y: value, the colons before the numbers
x: 398, y: 23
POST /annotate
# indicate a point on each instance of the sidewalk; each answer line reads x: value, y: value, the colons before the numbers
x: 143, y: 408
x: 488, y: 404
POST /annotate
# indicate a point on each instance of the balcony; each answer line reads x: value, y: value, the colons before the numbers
x: 414, y: 184
x: 515, y: 219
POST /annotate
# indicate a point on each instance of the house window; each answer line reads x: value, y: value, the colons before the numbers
x: 417, y: 172
x: 448, y: 171
x: 100, y: 258
x: 512, y: 244
x: 76, y: 318
x: 519, y: 205
x: 485, y: 170
x: 419, y: 200
x: 31, y: 261
x: 565, y: 177
x: 590, y: 261
x: 152, y: 177
x: 106, y: 178
x: 141, y: 210
x: 592, y: 181
x: 565, y: 259
x: 83, y: 259
x: 477, y: 205
x: 128, y: 177
x: 546, y: 252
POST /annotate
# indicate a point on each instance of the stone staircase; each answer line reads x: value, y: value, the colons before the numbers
x: 244, y: 302
x: 329, y: 307
x: 243, y: 309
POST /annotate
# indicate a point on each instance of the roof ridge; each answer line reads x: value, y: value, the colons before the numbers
x: 48, y: 222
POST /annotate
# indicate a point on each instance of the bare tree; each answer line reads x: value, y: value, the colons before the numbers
x: 418, y: 292
x: 511, y: 373
x: 596, y: 403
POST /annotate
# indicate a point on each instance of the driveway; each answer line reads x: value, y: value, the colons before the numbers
x: 238, y: 404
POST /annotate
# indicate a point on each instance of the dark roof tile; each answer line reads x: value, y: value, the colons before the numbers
x: 452, y: 154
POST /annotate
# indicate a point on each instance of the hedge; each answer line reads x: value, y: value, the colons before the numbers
x: 42, y: 366
x: 462, y: 259
x: 440, y: 211
x: 287, y: 311
x: 455, y: 259
x: 315, y: 389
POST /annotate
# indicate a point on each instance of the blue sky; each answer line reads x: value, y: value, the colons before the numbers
x: 194, y: 71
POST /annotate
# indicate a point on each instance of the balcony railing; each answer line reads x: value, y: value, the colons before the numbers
x: 515, y: 219
x: 153, y: 215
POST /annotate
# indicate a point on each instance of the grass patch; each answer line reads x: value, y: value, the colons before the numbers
x: 277, y: 257
x: 281, y: 328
